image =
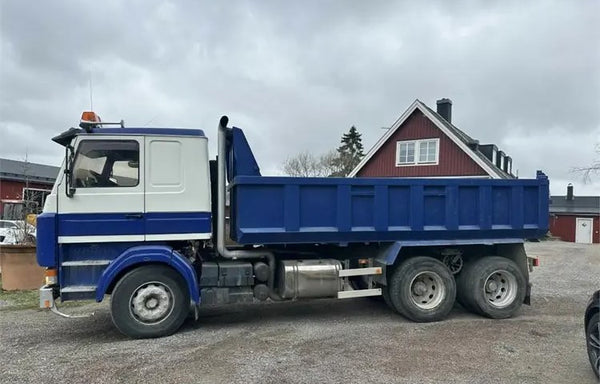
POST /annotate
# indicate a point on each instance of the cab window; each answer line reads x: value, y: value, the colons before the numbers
x: 106, y: 163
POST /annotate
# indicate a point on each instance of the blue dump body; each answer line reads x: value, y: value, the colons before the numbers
x: 271, y: 210
x: 296, y: 210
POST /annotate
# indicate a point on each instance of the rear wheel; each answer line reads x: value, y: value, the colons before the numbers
x: 422, y: 289
x: 150, y: 301
x: 592, y: 336
x: 492, y: 286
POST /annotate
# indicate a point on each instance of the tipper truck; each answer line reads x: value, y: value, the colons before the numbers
x: 141, y: 214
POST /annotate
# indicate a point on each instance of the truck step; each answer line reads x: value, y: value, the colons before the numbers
x: 359, y: 293
x: 78, y: 289
x: 360, y: 271
x: 85, y: 263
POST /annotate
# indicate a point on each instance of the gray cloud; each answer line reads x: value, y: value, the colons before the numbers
x: 296, y: 75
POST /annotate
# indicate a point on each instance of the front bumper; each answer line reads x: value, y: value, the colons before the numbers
x: 47, y: 295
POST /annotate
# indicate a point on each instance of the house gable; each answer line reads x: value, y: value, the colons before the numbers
x: 417, y: 126
x: 455, y: 157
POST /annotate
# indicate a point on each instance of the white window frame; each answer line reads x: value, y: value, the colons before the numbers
x: 398, y: 144
x: 418, y: 152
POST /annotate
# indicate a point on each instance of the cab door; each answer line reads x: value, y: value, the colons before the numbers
x: 107, y: 184
x: 177, y: 188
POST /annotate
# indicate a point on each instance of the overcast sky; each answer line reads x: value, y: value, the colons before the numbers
x: 296, y: 75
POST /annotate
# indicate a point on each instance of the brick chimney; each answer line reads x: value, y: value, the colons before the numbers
x: 444, y: 109
x: 570, y: 192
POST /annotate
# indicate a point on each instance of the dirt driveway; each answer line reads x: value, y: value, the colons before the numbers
x: 355, y: 341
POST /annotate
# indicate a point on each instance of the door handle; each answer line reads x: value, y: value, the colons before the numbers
x: 134, y: 216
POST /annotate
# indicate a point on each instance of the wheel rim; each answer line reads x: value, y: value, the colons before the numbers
x: 594, y: 347
x: 427, y: 290
x: 151, y: 302
x: 500, y: 288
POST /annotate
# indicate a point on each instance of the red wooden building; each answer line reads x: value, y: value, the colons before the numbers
x: 575, y: 218
x: 425, y: 143
x: 22, y: 182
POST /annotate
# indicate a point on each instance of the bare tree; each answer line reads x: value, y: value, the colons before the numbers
x: 23, y: 234
x: 305, y: 164
x: 331, y: 164
x: 591, y: 170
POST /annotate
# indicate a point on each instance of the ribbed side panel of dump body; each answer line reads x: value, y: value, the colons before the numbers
x: 272, y: 210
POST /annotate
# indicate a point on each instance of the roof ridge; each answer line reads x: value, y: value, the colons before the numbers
x: 469, y: 140
x: 27, y: 162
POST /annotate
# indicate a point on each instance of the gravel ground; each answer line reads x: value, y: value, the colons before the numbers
x: 323, y: 341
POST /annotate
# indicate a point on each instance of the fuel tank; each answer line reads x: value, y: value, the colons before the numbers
x: 300, y: 279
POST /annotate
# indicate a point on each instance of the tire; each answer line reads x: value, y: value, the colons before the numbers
x: 150, y: 301
x: 592, y: 337
x: 422, y: 289
x: 492, y: 286
x: 461, y: 298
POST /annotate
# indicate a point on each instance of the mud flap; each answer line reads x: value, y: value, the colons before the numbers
x: 527, y: 295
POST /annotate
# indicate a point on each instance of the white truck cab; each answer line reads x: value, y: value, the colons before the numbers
x: 133, y: 184
x: 120, y: 188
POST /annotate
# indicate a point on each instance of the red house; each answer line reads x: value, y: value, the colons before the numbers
x: 575, y: 218
x: 24, y: 183
x: 425, y: 143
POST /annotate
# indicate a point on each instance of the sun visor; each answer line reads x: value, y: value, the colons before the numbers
x: 65, y: 138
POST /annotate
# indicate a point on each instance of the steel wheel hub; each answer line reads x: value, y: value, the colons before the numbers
x: 500, y: 288
x: 151, y: 302
x: 427, y: 290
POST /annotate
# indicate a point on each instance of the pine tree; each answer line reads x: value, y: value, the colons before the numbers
x: 349, y: 153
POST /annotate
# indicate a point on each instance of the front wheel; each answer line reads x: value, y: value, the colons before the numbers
x: 150, y: 301
x: 422, y: 289
x: 492, y: 286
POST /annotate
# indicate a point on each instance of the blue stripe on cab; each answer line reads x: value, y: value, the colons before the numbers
x: 98, y: 224
x: 178, y: 222
x: 132, y: 223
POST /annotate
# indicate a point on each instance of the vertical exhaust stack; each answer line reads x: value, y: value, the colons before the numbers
x: 444, y: 109
x: 221, y: 192
x: 570, y: 196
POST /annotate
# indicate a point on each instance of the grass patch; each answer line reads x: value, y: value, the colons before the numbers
x: 19, y: 299
x: 12, y: 300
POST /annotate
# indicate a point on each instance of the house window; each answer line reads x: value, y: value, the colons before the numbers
x: 417, y: 152
x: 406, y: 152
